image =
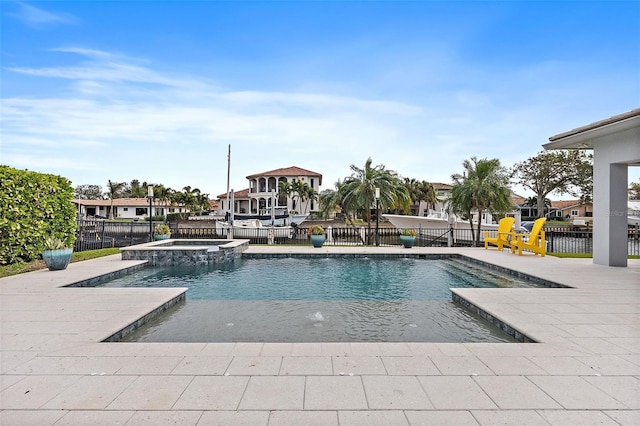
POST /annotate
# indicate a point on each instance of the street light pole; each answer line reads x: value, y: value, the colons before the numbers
x: 377, y: 216
x: 150, y: 195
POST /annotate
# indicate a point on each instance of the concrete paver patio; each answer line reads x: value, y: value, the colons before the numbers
x: 585, y: 370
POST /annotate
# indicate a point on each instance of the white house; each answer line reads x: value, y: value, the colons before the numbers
x: 257, y: 198
x: 124, y: 208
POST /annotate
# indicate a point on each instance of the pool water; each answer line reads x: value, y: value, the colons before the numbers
x: 320, y: 300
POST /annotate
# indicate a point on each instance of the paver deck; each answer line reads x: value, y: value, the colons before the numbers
x: 585, y: 370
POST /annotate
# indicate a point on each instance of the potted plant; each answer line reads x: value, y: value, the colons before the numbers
x: 318, y: 236
x: 162, y: 232
x: 56, y: 254
x: 407, y: 237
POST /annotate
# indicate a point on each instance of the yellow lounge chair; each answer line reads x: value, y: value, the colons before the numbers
x: 501, y: 238
x: 533, y: 241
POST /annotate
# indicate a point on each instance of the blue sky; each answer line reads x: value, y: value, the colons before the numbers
x: 99, y: 90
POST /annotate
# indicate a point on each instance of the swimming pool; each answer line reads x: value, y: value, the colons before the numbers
x: 320, y: 300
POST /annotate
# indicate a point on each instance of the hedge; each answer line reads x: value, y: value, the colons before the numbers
x: 176, y: 217
x: 32, y: 206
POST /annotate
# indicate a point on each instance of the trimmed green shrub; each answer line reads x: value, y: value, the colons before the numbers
x: 176, y: 217
x: 33, y: 206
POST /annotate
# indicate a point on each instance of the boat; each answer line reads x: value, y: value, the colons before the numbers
x: 253, y: 228
x: 439, y: 220
x: 279, y: 217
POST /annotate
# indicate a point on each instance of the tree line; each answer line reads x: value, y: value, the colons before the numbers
x: 483, y: 185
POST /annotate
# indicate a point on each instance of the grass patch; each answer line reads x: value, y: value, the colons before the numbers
x: 92, y: 254
x: 22, y: 267
x: 571, y: 255
x: 584, y: 255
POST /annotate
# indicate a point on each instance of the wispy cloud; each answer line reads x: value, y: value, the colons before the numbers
x: 38, y: 18
x: 114, y: 117
x: 103, y: 66
x: 116, y: 109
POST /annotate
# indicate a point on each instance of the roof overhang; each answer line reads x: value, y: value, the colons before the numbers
x: 584, y: 137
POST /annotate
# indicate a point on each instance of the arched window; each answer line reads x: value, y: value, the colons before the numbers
x: 273, y: 185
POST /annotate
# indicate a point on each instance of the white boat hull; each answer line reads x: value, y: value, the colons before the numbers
x: 427, y: 222
x: 290, y: 220
x: 432, y: 226
x: 250, y: 229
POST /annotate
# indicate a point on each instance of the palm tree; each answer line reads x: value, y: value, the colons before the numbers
x: 136, y: 190
x: 533, y: 202
x: 297, y: 191
x: 114, y: 190
x: 284, y: 192
x: 202, y: 202
x: 482, y: 186
x: 190, y: 198
x: 328, y: 202
x: 310, y: 195
x: 420, y: 191
x: 304, y: 192
x: 358, y: 192
x: 162, y: 194
x: 428, y: 194
x: 414, y: 194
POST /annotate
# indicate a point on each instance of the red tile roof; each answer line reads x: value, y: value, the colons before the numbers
x: 287, y: 171
x: 237, y: 194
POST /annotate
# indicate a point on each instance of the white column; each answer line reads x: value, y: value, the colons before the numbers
x: 609, y: 213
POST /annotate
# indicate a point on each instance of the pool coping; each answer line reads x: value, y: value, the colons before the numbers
x: 585, y: 365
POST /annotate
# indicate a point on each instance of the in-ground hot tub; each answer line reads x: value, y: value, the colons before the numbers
x: 186, y: 252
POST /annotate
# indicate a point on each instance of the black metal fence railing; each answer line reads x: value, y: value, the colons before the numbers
x: 96, y: 234
x: 99, y: 234
x: 567, y: 240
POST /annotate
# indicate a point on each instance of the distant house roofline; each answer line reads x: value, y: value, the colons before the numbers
x: 119, y: 202
x: 440, y: 185
x: 288, y: 171
x: 243, y: 193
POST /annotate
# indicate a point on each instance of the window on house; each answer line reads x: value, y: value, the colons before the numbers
x: 312, y: 179
x: 141, y: 211
x: 574, y: 213
x: 126, y: 209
